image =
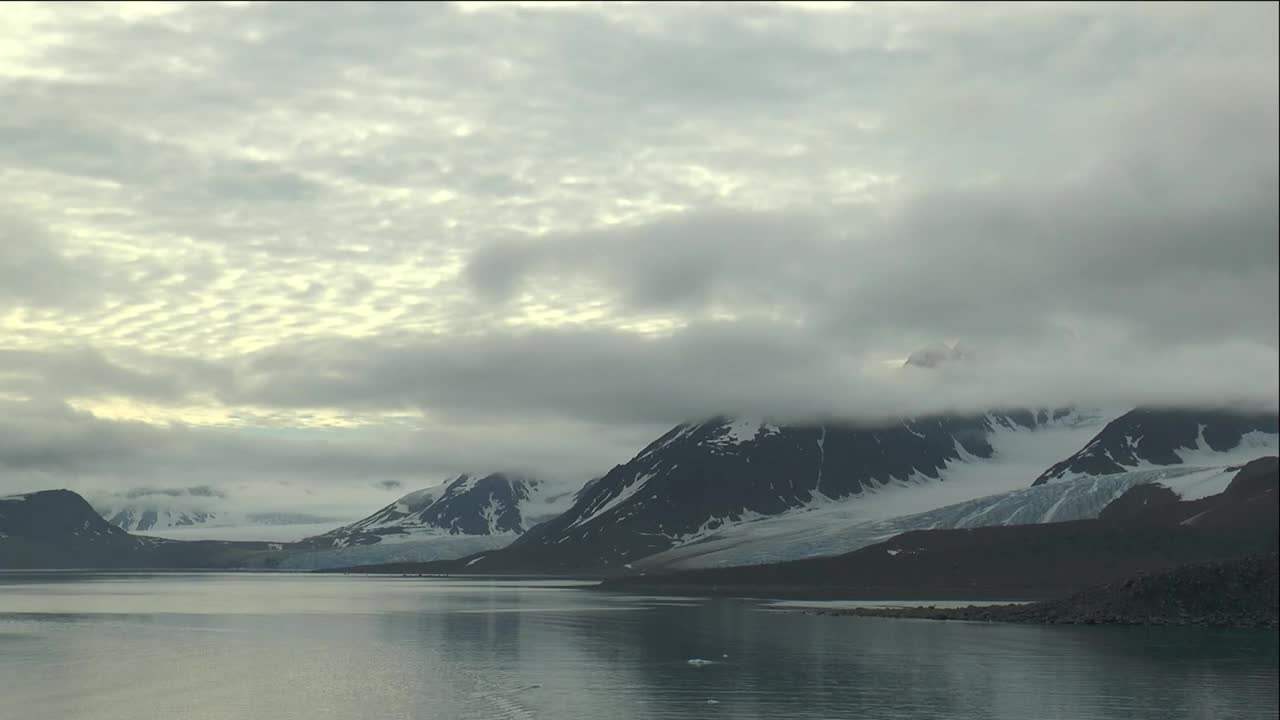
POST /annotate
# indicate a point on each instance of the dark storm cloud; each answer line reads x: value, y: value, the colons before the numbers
x: 86, y: 372
x: 766, y: 368
x: 44, y: 444
x: 998, y: 263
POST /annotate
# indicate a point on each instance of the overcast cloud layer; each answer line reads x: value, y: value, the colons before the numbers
x: 342, y: 251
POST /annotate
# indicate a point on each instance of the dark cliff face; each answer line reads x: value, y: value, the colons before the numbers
x: 53, y: 515
x: 699, y: 476
x: 1155, y: 436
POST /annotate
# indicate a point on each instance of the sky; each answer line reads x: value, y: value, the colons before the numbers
x: 317, y: 255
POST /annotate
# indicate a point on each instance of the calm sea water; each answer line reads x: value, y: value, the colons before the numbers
x: 284, y: 647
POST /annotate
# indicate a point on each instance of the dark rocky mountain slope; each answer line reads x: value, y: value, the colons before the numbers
x: 1140, y: 531
x: 1151, y: 436
x: 54, y: 515
x: 700, y: 476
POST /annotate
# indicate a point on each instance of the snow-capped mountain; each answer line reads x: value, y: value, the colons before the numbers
x: 395, y: 518
x: 1150, y: 438
x: 143, y: 518
x: 1192, y: 452
x: 179, y: 518
x: 468, y: 505
x: 203, y: 512
x: 179, y: 524
x: 700, y: 478
x: 469, y: 514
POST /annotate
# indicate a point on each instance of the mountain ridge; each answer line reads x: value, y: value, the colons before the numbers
x: 699, y: 477
x: 1010, y: 562
x: 1163, y: 436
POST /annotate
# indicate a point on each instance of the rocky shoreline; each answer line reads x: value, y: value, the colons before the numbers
x: 1239, y: 593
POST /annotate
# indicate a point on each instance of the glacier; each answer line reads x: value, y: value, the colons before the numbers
x: 421, y: 548
x: 843, y: 527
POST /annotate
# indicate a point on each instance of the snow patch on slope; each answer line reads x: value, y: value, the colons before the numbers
x: 628, y: 491
x: 407, y: 504
x: 738, y: 432
x: 1252, y: 445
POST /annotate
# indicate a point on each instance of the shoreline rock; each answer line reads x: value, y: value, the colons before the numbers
x: 1239, y: 593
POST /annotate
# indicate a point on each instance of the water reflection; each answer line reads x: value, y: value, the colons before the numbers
x: 245, y: 648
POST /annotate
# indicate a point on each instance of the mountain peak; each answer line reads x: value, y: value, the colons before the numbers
x: 51, y: 515
x: 936, y: 354
x: 1159, y: 437
x: 469, y: 504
